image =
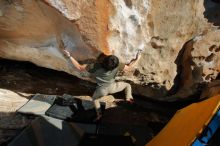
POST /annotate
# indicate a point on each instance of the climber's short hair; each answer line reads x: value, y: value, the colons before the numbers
x: 110, y: 62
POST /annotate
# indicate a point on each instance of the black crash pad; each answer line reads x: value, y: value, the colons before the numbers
x: 105, y: 140
x: 72, y: 110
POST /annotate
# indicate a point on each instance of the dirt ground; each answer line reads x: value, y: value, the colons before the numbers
x: 142, y: 120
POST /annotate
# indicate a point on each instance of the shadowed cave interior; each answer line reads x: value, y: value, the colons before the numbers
x: 144, y: 120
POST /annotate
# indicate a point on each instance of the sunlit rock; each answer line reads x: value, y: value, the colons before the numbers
x: 32, y: 31
x: 200, y: 62
x: 155, y: 29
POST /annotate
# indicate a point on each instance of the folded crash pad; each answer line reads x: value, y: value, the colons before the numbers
x: 187, y: 124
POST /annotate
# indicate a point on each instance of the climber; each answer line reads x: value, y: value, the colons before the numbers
x: 104, y: 72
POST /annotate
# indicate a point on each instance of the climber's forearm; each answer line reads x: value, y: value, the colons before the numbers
x: 76, y: 64
x: 74, y: 61
x: 128, y: 67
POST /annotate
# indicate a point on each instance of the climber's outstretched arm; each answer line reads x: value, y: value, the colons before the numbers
x: 129, y: 66
x: 74, y: 61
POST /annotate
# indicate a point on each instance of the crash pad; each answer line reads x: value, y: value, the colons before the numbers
x: 75, y: 112
x: 38, y: 104
x: 54, y: 132
x: 63, y: 108
x: 187, y: 124
x: 209, y: 131
x: 106, y: 140
x: 57, y: 108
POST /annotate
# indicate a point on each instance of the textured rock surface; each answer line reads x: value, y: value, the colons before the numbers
x: 91, y: 17
x: 205, y: 58
x: 33, y: 31
x: 212, y: 89
x: 199, y: 65
x: 158, y: 28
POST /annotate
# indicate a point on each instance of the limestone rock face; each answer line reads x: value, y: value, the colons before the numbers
x: 155, y: 29
x: 90, y: 16
x: 201, y: 60
x: 212, y: 89
x: 205, y: 61
x: 199, y: 65
x: 32, y: 31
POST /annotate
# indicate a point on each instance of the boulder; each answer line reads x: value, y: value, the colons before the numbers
x: 211, y: 90
x: 33, y: 31
x: 156, y: 29
x: 199, y: 65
